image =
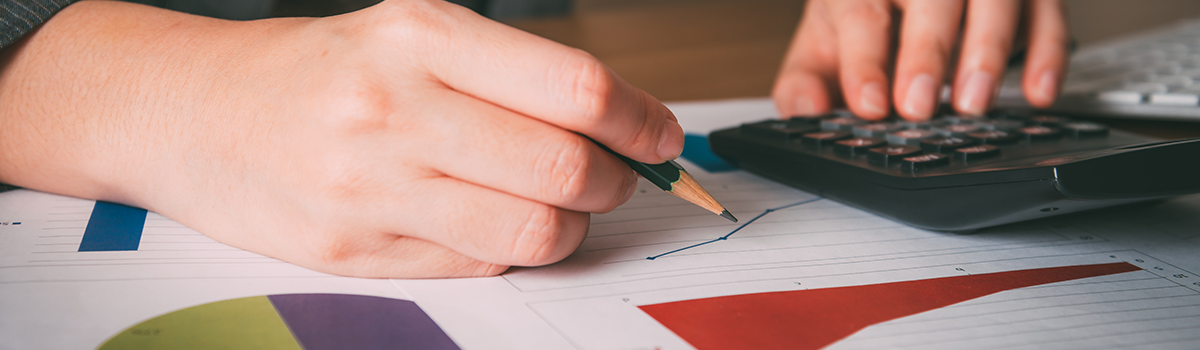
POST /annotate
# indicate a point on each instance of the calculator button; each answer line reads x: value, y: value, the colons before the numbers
x: 856, y: 145
x: 810, y: 119
x: 945, y: 144
x: 1000, y: 124
x: 957, y: 130
x: 1084, y: 129
x: 924, y: 161
x: 909, y: 137
x: 994, y: 137
x: 970, y: 153
x: 916, y: 124
x: 1046, y: 120
x: 876, y: 129
x: 1033, y: 133
x: 777, y: 129
x: 822, y: 138
x: 841, y: 123
x: 892, y: 153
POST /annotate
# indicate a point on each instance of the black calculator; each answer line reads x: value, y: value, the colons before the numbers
x: 955, y: 173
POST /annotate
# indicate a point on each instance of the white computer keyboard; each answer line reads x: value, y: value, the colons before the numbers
x: 1150, y: 75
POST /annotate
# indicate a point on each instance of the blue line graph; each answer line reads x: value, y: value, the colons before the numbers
x: 739, y: 228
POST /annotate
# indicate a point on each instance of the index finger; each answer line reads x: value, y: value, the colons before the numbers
x: 863, y: 32
x: 1048, y: 45
x: 557, y: 84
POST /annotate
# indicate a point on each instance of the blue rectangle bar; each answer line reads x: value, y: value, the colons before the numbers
x: 696, y: 150
x: 113, y: 227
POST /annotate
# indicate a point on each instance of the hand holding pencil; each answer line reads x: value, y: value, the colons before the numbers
x: 409, y: 139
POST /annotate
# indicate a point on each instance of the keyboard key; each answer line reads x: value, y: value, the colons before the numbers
x: 970, y: 153
x: 1084, y: 129
x: 777, y: 129
x: 1037, y: 133
x: 841, y: 123
x: 891, y: 153
x: 856, y: 145
x: 1120, y: 97
x: 909, y: 137
x: 1147, y: 87
x: 994, y: 137
x: 823, y: 138
x: 1175, y: 99
x: 925, y: 161
x: 876, y: 129
x: 942, y: 144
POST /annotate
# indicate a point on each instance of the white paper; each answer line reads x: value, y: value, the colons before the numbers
x: 590, y: 300
x: 56, y: 297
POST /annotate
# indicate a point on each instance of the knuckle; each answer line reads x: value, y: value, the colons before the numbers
x: 538, y: 237
x: 565, y: 167
x: 335, y: 251
x: 628, y: 180
x: 590, y: 86
x: 356, y: 104
x: 869, y: 13
x: 406, y: 21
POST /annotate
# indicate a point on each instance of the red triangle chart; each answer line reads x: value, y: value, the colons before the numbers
x: 816, y: 318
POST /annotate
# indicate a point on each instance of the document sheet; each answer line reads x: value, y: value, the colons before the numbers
x: 798, y: 272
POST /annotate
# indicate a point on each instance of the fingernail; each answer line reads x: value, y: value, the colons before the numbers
x: 1047, y: 86
x: 976, y: 93
x: 920, y: 99
x: 671, y: 143
x: 804, y: 106
x: 873, y: 99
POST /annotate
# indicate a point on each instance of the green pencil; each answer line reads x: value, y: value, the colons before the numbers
x: 671, y: 177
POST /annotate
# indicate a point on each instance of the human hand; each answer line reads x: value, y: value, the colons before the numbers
x: 410, y: 139
x: 843, y: 50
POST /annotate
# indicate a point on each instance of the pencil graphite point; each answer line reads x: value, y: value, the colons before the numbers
x: 670, y: 176
x: 727, y: 215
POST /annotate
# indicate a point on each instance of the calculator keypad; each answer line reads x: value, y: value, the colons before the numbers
x: 916, y: 146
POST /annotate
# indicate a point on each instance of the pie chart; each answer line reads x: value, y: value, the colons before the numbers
x: 289, y: 321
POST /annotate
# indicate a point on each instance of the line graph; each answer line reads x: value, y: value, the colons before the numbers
x: 739, y: 228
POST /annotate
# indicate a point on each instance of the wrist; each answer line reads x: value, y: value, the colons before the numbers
x: 114, y: 101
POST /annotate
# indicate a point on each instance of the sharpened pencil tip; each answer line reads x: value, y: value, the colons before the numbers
x: 727, y: 215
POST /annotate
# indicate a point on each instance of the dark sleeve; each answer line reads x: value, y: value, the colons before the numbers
x: 19, y: 17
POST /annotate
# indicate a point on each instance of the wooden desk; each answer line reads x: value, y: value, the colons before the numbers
x: 695, y: 50
x: 684, y: 50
